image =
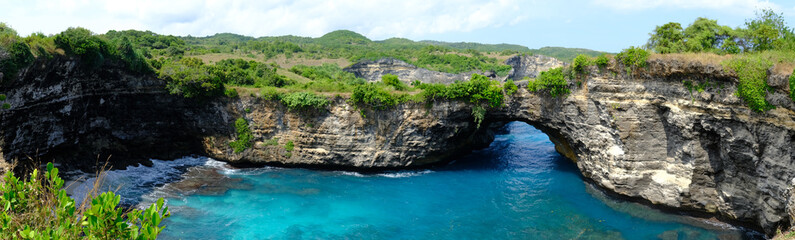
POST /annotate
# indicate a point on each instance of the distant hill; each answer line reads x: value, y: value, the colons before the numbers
x: 565, y: 54
x: 480, y: 46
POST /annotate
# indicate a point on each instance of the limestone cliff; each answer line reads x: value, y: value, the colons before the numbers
x: 644, y: 135
x: 522, y: 66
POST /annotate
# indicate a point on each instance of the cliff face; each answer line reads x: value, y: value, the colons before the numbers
x: 372, y: 71
x: 644, y: 136
x: 522, y: 66
x: 65, y: 113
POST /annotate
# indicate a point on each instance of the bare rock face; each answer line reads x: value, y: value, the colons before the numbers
x: 530, y: 65
x: 522, y: 66
x: 372, y: 71
x: 643, y: 135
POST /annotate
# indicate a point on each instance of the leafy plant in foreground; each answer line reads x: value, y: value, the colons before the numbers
x: 40, y: 209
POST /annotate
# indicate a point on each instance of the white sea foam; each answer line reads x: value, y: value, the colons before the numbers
x: 404, y: 174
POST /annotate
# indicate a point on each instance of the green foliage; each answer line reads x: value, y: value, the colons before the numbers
x: 6, y: 106
x: 190, y: 78
x: 39, y: 208
x: 230, y: 92
x: 20, y: 57
x: 244, y: 136
x: 553, y: 80
x: 705, y: 35
x: 667, y: 38
x: 509, y: 87
x: 289, y: 146
x: 392, y: 80
x: 375, y: 96
x: 580, y: 63
x: 602, y: 61
x: 566, y: 54
x: 633, y: 57
x: 752, y: 75
x: 270, y: 93
x: 41, y: 45
x: 304, y: 101
x: 248, y: 73
x: 478, y: 113
x: 768, y: 31
x: 478, y: 90
x: 2, y: 97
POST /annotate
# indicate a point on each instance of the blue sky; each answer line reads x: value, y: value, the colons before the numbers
x: 606, y: 25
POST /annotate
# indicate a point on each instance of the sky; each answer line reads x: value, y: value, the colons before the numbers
x: 604, y: 25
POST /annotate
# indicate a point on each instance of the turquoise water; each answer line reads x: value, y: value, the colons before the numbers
x: 518, y: 188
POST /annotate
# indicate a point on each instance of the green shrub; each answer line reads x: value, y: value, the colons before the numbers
x: 271, y: 93
x: 479, y: 89
x: 375, y: 96
x: 40, y: 209
x: 479, y: 113
x: 304, y: 101
x: 190, y: 78
x: 602, y: 61
x: 6, y: 106
x: 580, y: 64
x: 289, y: 146
x: 2, y: 97
x: 230, y: 92
x: 752, y: 75
x: 553, y: 80
x: 20, y: 57
x: 244, y: 136
x: 392, y: 80
x: 509, y: 87
x: 633, y: 57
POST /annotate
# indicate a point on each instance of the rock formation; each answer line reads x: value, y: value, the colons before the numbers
x: 522, y: 66
x: 372, y: 71
x: 643, y: 135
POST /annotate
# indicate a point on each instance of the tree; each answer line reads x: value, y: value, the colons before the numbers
x: 767, y: 31
x: 706, y: 35
x: 667, y: 38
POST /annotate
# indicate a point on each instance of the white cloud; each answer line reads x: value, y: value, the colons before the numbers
x: 376, y: 19
x: 736, y: 6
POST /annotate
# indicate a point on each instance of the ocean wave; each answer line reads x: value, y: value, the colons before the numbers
x: 404, y: 174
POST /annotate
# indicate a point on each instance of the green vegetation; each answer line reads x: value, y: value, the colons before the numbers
x: 392, y: 80
x: 633, y: 57
x: 601, y: 61
x: 289, y: 146
x: 190, y: 78
x: 230, y: 92
x: 479, y: 113
x: 761, y: 43
x: 580, y: 64
x: 244, y: 136
x: 509, y: 87
x: 374, y: 96
x: 39, y: 208
x: 479, y: 90
x: 304, y: 101
x: 553, y: 80
x: 566, y: 54
x: 325, y: 78
x: 752, y: 73
x: 792, y: 86
x: 5, y: 105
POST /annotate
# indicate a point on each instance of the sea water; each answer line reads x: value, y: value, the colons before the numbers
x: 517, y: 188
